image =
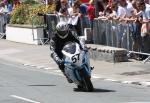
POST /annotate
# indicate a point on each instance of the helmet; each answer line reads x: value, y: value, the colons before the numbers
x: 62, y: 29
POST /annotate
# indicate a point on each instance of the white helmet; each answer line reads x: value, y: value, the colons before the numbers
x: 62, y: 29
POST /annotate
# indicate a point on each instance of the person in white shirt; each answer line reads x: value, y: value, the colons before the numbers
x: 121, y: 14
x: 125, y: 13
x: 145, y: 30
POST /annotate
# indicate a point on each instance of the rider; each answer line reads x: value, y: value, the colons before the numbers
x: 59, y: 39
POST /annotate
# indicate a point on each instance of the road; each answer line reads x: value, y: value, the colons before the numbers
x: 26, y: 84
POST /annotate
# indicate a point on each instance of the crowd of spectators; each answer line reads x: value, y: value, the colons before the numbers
x: 81, y: 12
x: 135, y: 13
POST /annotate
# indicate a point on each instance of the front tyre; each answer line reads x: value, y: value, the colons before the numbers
x: 86, y: 82
x: 88, y: 86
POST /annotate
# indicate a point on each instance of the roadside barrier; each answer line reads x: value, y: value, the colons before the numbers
x: 119, y: 34
x: 50, y: 21
x: 2, y: 26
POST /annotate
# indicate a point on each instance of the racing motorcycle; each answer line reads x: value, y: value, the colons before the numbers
x: 77, y: 66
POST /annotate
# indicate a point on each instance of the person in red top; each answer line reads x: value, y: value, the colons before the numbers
x: 91, y: 12
x: 84, y: 1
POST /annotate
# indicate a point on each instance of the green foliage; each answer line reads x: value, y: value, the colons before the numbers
x: 26, y: 13
x: 30, y: 2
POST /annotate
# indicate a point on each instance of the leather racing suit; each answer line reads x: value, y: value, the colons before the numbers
x: 56, y: 46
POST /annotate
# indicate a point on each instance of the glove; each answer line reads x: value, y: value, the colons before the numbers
x: 60, y: 62
x: 56, y: 58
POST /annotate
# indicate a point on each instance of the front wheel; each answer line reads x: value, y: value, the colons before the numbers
x: 87, y: 84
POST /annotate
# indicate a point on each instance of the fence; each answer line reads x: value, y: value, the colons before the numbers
x: 2, y: 26
x: 119, y: 34
x: 50, y: 21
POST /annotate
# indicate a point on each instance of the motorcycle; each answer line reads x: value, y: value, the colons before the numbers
x: 77, y: 66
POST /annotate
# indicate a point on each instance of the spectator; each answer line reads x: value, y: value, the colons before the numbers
x: 83, y: 8
x: 2, y: 9
x: 99, y: 8
x: 84, y: 18
x: 122, y: 9
x: 74, y: 12
x: 90, y: 12
x: 130, y: 8
x: 145, y: 29
x: 124, y: 12
x: 63, y: 12
x: 64, y: 4
x: 136, y: 34
x: 114, y: 8
x: 83, y: 13
x: 107, y: 11
x: 58, y: 5
x: 84, y: 1
x: 3, y: 19
x: 121, y: 12
x: 10, y: 6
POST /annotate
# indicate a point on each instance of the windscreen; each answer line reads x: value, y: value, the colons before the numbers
x: 70, y: 48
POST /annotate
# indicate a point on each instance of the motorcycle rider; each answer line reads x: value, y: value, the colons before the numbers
x: 59, y: 39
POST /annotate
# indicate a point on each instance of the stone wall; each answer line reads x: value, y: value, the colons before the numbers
x: 106, y: 53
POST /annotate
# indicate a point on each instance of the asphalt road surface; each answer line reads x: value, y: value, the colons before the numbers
x: 25, y: 84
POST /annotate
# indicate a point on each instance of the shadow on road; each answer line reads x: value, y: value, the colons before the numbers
x: 41, y: 85
x: 103, y: 90
x: 96, y: 90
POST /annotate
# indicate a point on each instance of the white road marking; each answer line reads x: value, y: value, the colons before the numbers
x: 57, y: 71
x: 113, y: 80
x: 127, y: 82
x: 48, y: 68
x: 96, y: 77
x: 40, y: 67
x: 145, y: 83
x: 25, y: 99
